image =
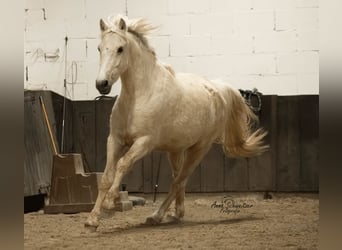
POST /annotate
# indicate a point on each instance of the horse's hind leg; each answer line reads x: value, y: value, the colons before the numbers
x: 114, y: 151
x: 177, y: 162
x: 193, y: 157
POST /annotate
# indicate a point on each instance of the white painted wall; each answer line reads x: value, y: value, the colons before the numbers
x: 268, y: 44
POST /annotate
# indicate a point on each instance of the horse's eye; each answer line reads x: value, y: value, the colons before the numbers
x: 98, y: 48
x: 120, y: 50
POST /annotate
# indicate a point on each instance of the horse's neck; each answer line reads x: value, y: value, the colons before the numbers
x: 137, y: 81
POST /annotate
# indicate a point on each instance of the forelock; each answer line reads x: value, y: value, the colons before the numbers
x: 139, y: 28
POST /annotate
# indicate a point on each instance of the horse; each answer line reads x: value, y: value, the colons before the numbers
x: 182, y: 114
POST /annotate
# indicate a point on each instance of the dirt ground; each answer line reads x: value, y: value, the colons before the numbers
x: 212, y: 221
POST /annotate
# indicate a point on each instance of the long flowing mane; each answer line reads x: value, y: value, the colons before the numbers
x: 140, y: 28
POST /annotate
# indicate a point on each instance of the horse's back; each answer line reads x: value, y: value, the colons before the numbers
x: 198, y: 112
x: 195, y: 82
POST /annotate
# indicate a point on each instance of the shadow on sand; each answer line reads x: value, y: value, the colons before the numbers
x: 169, y: 225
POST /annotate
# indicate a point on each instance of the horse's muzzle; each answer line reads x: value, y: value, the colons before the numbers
x: 103, y: 86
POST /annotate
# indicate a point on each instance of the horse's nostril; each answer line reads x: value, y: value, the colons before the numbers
x: 102, y: 83
x: 103, y: 86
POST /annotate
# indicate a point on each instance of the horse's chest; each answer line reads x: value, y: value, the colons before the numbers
x: 124, y: 135
x: 128, y: 128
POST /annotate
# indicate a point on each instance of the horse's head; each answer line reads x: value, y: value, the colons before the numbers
x: 113, y: 54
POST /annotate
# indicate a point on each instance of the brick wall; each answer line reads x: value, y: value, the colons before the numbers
x: 268, y: 44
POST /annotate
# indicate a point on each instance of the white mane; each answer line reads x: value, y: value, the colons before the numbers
x: 140, y: 28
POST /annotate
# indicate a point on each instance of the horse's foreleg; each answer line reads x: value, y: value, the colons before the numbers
x: 114, y: 151
x: 193, y: 157
x: 138, y: 150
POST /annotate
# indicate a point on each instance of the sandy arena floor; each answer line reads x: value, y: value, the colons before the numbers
x: 287, y: 221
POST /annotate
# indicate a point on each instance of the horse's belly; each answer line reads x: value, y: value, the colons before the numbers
x: 181, y: 136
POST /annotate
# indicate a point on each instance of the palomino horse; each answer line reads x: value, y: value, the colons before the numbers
x: 182, y: 114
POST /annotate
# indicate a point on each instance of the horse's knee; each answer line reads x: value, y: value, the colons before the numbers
x: 113, y: 192
x: 105, y: 183
x: 123, y: 165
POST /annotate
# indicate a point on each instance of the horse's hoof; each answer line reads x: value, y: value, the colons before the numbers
x: 90, y: 228
x: 173, y: 218
x: 92, y: 223
x: 107, y: 213
x: 152, y: 221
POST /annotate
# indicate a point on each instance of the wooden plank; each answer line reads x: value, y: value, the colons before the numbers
x: 84, y: 132
x: 260, y: 173
x: 134, y: 179
x: 68, y: 208
x: 38, y: 146
x: 261, y: 170
x: 161, y: 161
x: 29, y: 137
x: 103, y: 109
x: 212, y: 170
x: 57, y: 102
x: 69, y: 182
x: 33, y: 131
x: 273, y: 134
x: 309, y: 130
x: 294, y: 144
x: 236, y: 174
x: 282, y: 145
x: 288, y: 158
x: 194, y: 182
x: 147, y: 165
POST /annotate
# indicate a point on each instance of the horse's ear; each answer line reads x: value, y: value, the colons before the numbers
x: 103, y: 25
x: 122, y: 25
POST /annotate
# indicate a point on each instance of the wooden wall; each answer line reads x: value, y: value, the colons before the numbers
x: 291, y: 164
x: 38, y: 146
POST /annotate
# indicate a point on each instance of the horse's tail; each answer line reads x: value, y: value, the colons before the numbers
x: 239, y: 139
